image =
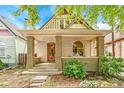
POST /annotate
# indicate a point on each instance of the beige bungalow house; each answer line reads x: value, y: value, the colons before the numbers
x: 59, y: 40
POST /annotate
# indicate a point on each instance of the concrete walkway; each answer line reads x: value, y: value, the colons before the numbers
x: 41, y: 73
x: 37, y: 81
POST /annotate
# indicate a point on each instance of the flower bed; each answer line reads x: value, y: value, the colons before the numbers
x: 62, y: 81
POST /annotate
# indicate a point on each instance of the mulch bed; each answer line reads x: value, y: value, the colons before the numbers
x: 61, y: 81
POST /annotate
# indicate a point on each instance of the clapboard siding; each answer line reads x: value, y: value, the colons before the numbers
x: 9, y: 48
x: 21, y: 47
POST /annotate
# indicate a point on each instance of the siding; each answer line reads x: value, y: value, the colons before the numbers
x: 78, y: 26
x: 41, y: 48
x: 119, y: 48
x: 10, y: 48
x: 21, y: 47
x: 90, y: 63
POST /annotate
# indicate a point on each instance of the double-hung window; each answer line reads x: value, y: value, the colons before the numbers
x: 2, y: 49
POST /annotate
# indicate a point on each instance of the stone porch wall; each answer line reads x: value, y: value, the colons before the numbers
x: 91, y: 62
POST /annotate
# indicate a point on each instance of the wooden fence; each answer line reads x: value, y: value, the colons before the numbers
x: 22, y: 58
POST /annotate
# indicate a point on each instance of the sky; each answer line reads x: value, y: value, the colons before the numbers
x: 44, y: 12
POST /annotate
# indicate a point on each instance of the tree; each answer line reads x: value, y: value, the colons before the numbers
x: 113, y: 15
x: 32, y: 10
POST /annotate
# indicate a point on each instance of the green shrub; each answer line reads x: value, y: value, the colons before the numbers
x: 110, y: 66
x: 73, y: 68
x: 2, y: 65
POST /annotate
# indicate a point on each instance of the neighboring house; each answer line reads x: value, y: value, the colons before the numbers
x: 61, y: 39
x: 118, y: 43
x: 11, y: 42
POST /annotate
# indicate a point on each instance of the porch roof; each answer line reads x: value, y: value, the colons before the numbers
x: 66, y: 32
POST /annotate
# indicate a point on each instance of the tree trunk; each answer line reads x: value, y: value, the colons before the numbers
x: 113, y: 46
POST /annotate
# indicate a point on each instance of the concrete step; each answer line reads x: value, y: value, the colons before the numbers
x: 40, y: 73
x: 39, y: 79
x: 46, y: 64
x: 45, y: 67
x: 43, y: 70
x: 35, y: 85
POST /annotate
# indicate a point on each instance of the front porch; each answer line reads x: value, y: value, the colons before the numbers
x: 84, y: 45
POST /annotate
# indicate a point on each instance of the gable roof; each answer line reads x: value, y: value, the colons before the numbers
x: 47, y: 22
x: 5, y: 32
x: 11, y: 27
x: 82, y: 21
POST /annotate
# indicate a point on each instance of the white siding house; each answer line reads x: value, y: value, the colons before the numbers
x: 11, y: 42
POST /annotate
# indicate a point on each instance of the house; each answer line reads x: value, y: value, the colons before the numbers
x: 118, y: 43
x: 61, y: 39
x: 11, y: 42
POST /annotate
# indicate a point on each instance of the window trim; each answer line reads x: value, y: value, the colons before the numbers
x: 4, y: 51
x: 78, y: 48
x: 3, y: 45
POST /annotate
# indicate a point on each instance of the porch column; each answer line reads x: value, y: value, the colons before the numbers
x: 100, y: 46
x: 58, y: 52
x: 30, y: 52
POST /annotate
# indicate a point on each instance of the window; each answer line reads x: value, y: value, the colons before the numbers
x: 62, y: 24
x: 78, y: 49
x: 2, y: 49
x: 93, y: 48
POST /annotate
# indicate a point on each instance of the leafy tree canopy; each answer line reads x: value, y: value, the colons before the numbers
x: 32, y: 10
x: 111, y: 14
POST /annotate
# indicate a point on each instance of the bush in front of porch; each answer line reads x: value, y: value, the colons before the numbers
x: 73, y: 68
x: 110, y: 66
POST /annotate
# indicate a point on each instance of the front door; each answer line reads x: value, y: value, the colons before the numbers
x: 51, y: 52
